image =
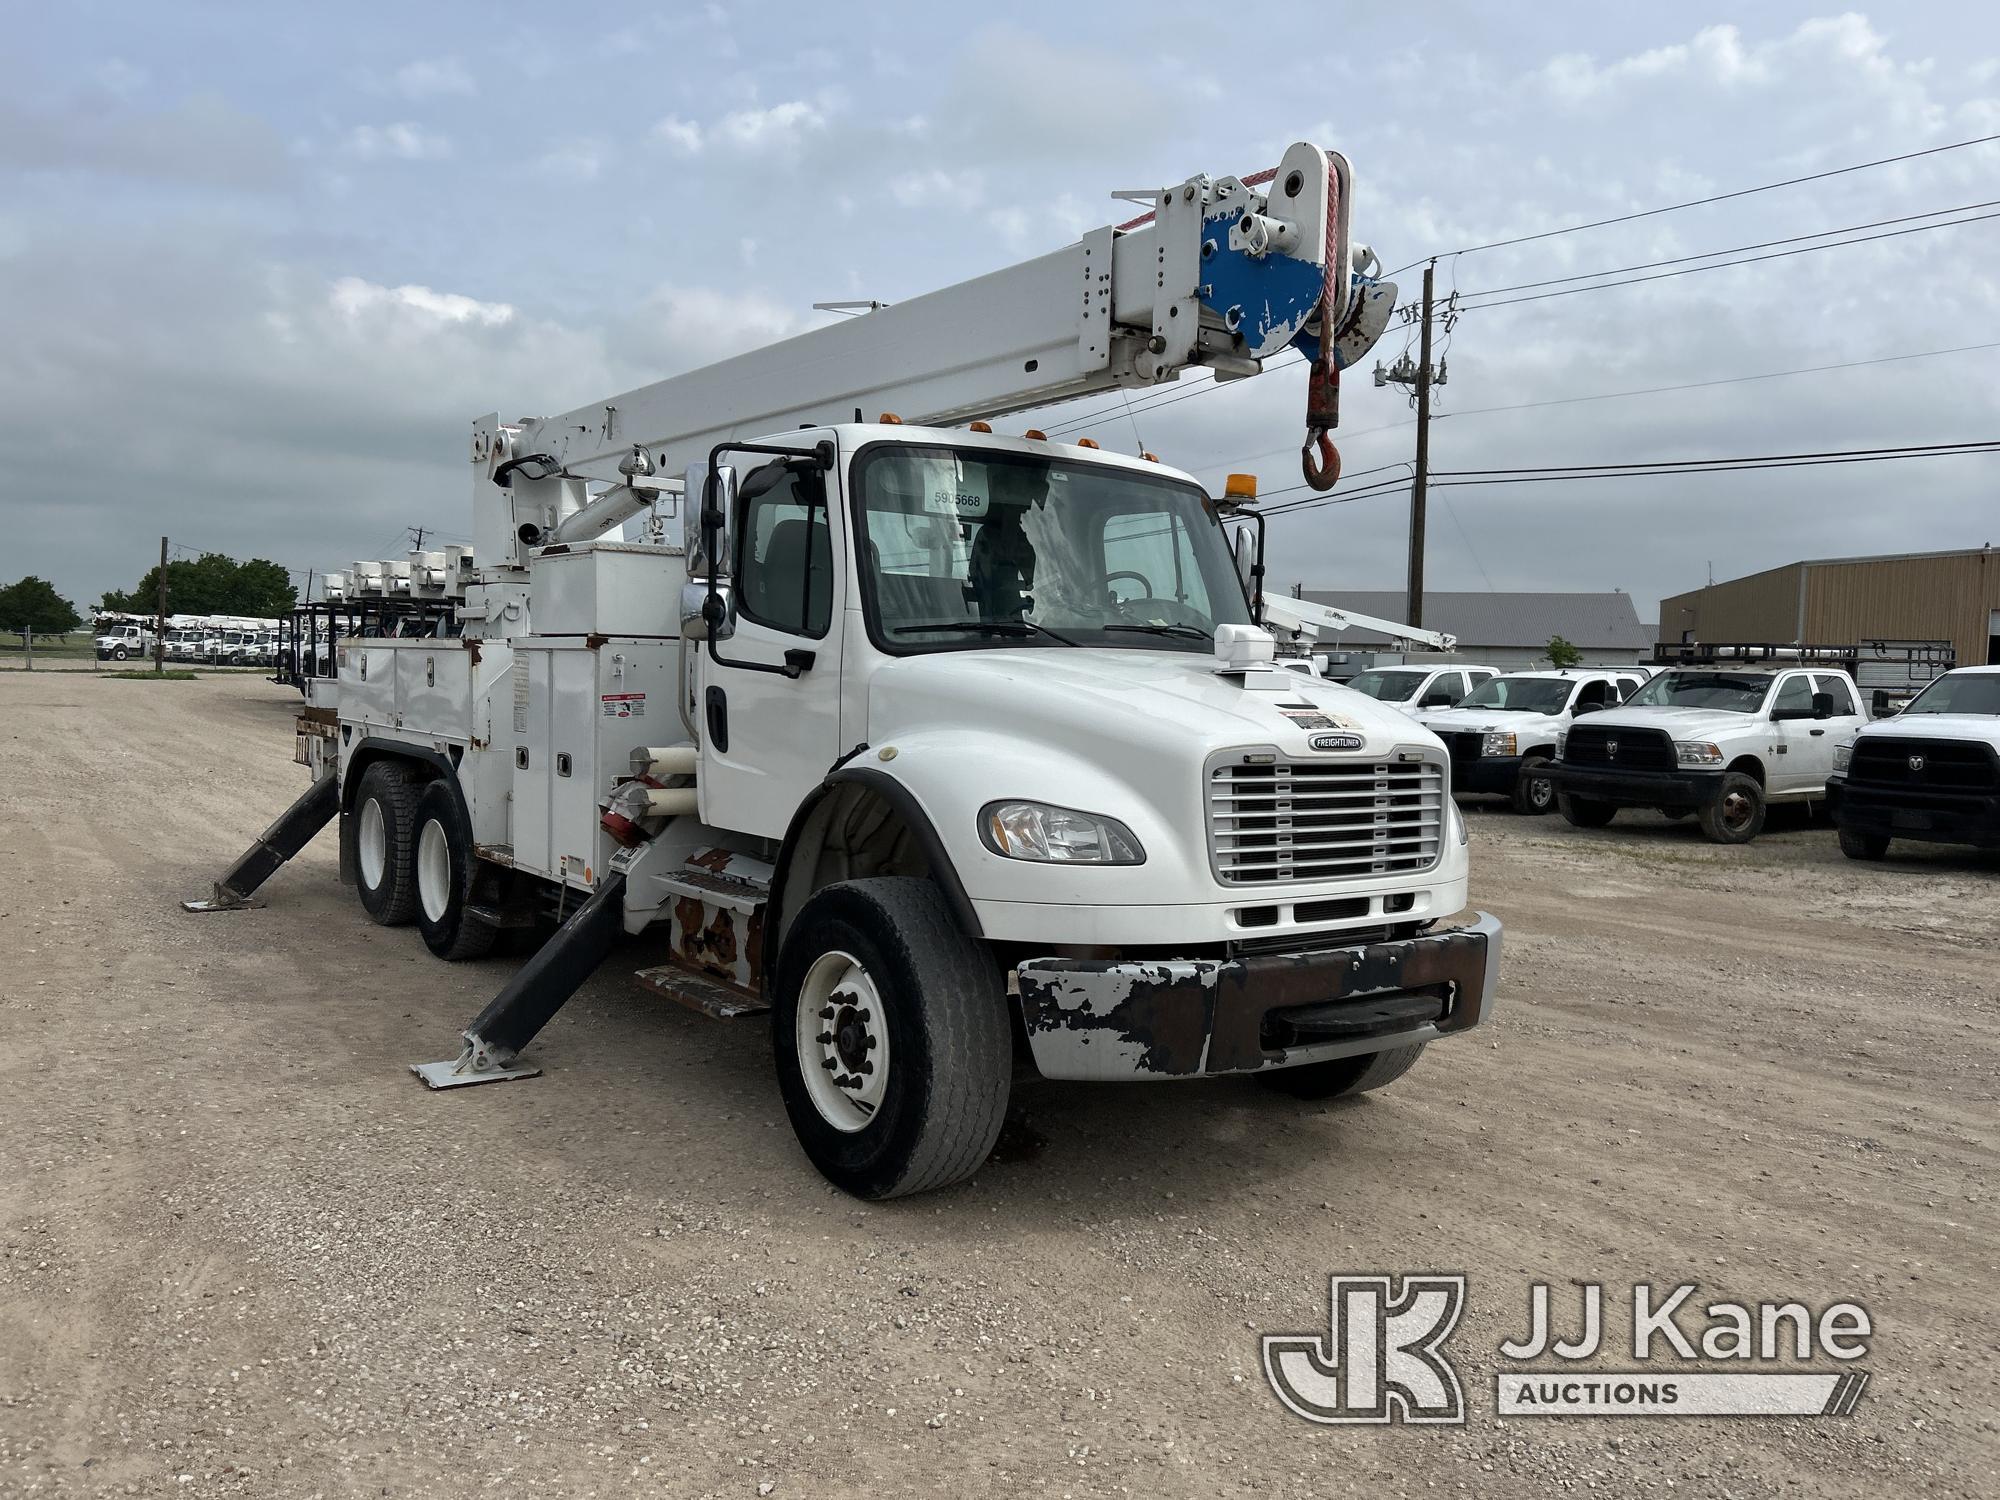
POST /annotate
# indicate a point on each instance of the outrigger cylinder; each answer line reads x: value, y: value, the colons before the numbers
x: 294, y: 829
x: 539, y: 988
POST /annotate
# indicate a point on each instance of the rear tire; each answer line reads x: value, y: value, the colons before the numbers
x: 1343, y: 1076
x: 445, y: 866
x: 1582, y: 812
x: 384, y: 820
x: 1863, y: 845
x: 900, y: 1017
x: 1534, y: 793
x: 1736, y: 816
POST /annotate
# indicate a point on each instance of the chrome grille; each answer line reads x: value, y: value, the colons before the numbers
x: 1280, y: 821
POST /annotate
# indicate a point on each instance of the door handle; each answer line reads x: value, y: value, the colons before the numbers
x: 1815, y: 733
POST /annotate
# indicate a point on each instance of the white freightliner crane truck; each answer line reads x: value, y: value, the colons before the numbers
x: 936, y: 744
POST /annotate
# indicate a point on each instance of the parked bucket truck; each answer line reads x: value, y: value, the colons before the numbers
x: 936, y: 745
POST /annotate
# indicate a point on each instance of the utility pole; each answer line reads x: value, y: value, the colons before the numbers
x: 1414, y: 608
x: 160, y: 617
x: 417, y: 537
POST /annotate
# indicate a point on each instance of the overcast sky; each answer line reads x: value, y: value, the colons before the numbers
x: 259, y: 269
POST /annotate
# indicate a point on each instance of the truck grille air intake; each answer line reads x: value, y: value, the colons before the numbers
x: 1320, y: 820
x: 1620, y: 749
x: 1924, y: 765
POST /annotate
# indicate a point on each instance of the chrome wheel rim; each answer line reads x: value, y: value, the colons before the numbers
x: 433, y: 870
x: 1736, y: 812
x: 1541, y: 791
x: 372, y: 845
x: 842, y: 1039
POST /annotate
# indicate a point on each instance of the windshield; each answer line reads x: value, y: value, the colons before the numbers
x: 1967, y: 693
x: 972, y: 547
x: 1736, y: 692
x: 1390, y: 687
x: 1521, y: 695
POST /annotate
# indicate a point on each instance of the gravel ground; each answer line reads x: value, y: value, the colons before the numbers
x: 243, y: 1252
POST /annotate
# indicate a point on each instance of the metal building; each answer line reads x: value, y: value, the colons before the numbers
x: 1912, y: 596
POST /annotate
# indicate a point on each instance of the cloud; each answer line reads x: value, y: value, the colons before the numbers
x: 582, y: 160
x: 936, y: 189
x: 402, y: 141
x: 1015, y: 97
x: 202, y: 140
x: 778, y: 131
x: 355, y: 299
x: 429, y: 78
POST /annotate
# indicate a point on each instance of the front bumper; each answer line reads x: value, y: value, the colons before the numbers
x: 1131, y: 1019
x: 1930, y: 817
x: 1492, y: 774
x: 1637, y: 788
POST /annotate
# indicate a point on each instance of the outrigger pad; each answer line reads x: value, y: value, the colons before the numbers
x: 474, y: 1065
x: 222, y: 901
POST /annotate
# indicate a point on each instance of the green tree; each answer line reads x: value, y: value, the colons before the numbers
x: 1562, y: 654
x: 212, y: 584
x: 34, y: 605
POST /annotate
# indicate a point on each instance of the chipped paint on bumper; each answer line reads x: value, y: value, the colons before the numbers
x: 1132, y: 1019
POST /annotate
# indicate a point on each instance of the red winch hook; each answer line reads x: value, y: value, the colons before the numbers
x: 1322, y: 468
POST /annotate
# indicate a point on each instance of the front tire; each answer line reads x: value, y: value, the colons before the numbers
x: 1582, y: 812
x: 445, y: 867
x: 1870, y: 846
x: 385, y: 817
x: 1344, y: 1076
x: 891, y: 1038
x: 119, y: 653
x: 1534, y: 793
x: 1736, y: 816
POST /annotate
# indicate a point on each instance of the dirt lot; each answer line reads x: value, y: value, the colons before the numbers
x: 242, y: 1251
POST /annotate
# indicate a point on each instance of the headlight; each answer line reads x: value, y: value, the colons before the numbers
x: 1497, y: 742
x: 1464, y: 834
x: 1056, y: 835
x: 1697, y: 753
x: 1842, y: 754
x: 1562, y: 739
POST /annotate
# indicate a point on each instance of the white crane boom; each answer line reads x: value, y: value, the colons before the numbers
x: 1222, y: 273
x: 1302, y: 616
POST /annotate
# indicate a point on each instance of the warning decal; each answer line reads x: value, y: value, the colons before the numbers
x: 624, y: 705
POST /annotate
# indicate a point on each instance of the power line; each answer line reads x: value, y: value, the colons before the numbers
x: 1663, y: 468
x: 1525, y: 239
x: 1696, y: 385
x: 1795, y: 239
x: 1747, y: 260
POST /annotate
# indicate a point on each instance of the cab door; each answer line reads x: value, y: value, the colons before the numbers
x: 1802, y: 751
x: 767, y: 698
x: 1837, y: 729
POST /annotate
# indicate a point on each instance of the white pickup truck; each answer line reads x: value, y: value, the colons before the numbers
x: 1932, y: 772
x: 1502, y: 737
x: 1420, y: 686
x: 1719, y: 742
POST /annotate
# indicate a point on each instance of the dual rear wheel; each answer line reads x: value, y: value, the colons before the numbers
x: 414, y: 862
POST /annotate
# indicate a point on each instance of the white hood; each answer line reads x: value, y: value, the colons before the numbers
x: 1982, y: 728
x: 1681, y: 723
x: 1452, y: 720
x: 1105, y: 703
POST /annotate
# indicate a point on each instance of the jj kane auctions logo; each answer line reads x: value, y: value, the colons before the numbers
x: 1383, y: 1360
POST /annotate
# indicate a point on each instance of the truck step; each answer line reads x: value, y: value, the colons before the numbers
x: 723, y: 1002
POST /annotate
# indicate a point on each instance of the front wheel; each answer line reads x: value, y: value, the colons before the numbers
x: 1736, y: 816
x: 119, y: 653
x: 891, y: 1039
x: 1534, y: 792
x: 1863, y: 845
x: 1344, y: 1076
x: 1582, y: 812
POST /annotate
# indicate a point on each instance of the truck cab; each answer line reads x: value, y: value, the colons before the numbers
x: 1417, y: 687
x: 1931, y: 773
x: 123, y: 641
x: 1721, y: 742
x: 1502, y: 736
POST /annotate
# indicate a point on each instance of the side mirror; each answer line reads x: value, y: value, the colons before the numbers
x: 712, y: 507
x: 1822, y: 705
x: 1589, y: 708
x: 1246, y: 560
x: 1883, y: 709
x: 1438, y: 699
